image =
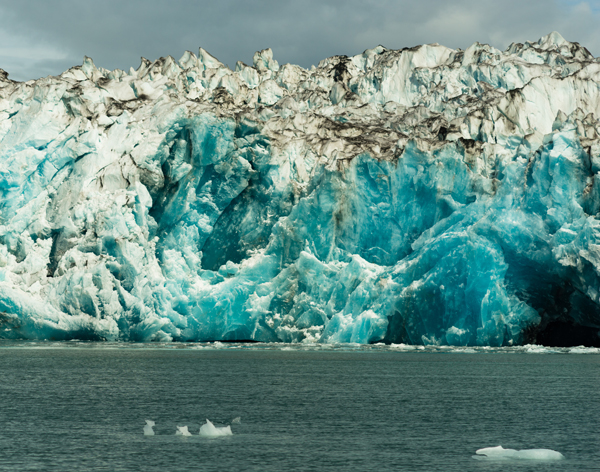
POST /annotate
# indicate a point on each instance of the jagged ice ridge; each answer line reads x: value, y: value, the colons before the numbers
x: 421, y: 196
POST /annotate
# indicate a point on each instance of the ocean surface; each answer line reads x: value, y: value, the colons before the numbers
x: 82, y: 407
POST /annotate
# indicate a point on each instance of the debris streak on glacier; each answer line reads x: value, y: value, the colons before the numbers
x: 419, y: 196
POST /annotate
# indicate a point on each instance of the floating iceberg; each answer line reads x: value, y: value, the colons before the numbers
x: 417, y: 196
x: 209, y: 430
x: 148, y: 431
x: 236, y: 420
x: 182, y: 431
x: 499, y: 453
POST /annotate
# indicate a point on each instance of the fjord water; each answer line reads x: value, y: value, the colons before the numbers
x: 67, y: 409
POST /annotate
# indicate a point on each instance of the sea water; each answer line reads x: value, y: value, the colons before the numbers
x: 83, y: 406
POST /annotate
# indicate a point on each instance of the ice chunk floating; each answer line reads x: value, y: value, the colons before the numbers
x: 400, y: 196
x: 209, y: 430
x: 148, y: 431
x: 499, y: 453
x: 182, y: 431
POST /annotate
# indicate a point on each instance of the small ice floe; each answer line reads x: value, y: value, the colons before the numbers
x: 182, y: 431
x: 209, y: 430
x: 584, y: 350
x: 499, y: 453
x: 236, y: 420
x: 148, y: 431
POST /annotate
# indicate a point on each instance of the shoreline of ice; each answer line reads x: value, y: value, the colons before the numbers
x: 298, y: 347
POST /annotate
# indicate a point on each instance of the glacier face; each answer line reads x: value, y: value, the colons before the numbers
x: 423, y: 196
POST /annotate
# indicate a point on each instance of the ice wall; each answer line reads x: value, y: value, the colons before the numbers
x: 424, y: 196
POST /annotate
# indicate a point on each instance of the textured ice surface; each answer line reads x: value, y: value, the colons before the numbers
x: 148, y: 431
x: 209, y: 430
x: 499, y: 453
x: 417, y: 196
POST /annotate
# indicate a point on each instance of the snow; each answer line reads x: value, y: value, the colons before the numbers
x: 421, y: 196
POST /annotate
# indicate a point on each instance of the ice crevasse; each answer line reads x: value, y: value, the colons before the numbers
x: 424, y: 196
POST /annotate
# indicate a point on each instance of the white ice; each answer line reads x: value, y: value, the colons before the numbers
x: 236, y: 420
x: 209, y: 430
x: 499, y: 453
x: 186, y: 201
x: 182, y: 431
x: 148, y: 431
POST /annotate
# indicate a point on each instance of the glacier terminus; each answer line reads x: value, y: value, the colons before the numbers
x: 421, y: 196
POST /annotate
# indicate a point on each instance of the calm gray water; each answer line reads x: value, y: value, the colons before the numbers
x: 83, y: 409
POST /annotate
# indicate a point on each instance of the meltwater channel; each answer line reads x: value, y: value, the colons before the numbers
x: 83, y: 406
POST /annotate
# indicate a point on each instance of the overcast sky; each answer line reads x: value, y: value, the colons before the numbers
x: 42, y: 37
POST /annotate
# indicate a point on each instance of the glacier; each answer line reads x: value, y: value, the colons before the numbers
x: 427, y: 195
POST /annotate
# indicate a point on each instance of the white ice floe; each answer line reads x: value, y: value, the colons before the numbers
x: 182, y: 431
x: 148, y: 431
x: 584, y: 350
x: 209, y: 430
x: 236, y: 420
x: 499, y: 453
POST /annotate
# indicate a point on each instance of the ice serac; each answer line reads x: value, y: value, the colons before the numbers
x: 418, y: 196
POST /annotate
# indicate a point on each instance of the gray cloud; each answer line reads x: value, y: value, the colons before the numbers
x: 41, y: 37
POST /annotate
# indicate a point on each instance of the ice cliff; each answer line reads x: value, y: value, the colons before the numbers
x: 425, y: 196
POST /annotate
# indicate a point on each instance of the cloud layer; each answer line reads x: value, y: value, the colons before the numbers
x: 39, y: 38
